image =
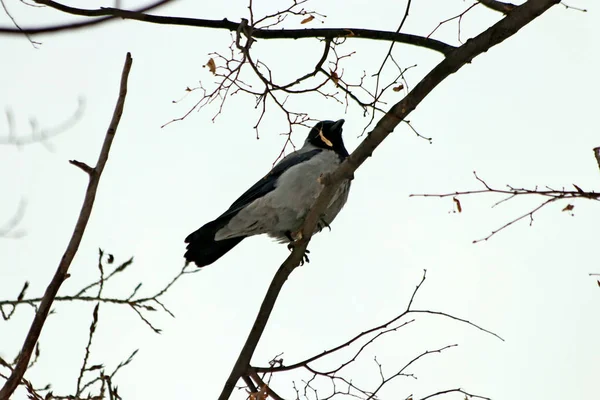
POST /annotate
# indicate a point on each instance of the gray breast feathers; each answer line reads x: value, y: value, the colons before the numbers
x: 282, y: 210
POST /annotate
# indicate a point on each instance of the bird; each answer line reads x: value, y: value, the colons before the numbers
x: 278, y: 203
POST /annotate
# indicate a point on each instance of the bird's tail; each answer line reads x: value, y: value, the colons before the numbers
x: 202, y: 247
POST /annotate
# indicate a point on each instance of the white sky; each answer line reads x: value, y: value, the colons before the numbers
x: 525, y: 114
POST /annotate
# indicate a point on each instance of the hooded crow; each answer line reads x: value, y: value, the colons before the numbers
x: 278, y: 203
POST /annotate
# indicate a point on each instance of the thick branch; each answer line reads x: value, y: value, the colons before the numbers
x: 330, y: 33
x: 496, y: 34
x: 61, y: 273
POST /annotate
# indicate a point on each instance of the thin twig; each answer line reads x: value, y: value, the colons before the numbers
x: 511, y: 192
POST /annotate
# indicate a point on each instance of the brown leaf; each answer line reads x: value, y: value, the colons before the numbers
x: 334, y: 77
x: 458, y: 206
x: 569, y: 207
x: 262, y: 394
x: 398, y: 88
x: 307, y: 19
x: 212, y: 67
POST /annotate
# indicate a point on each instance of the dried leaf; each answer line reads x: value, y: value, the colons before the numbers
x: 597, y: 155
x: 212, y: 67
x: 111, y: 259
x: 458, y: 206
x: 307, y: 19
x: 262, y: 394
x: 569, y: 207
x: 398, y: 88
x: 334, y: 77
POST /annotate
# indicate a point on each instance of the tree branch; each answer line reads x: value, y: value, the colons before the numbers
x: 454, y: 60
x: 61, y: 273
x: 327, y: 33
x: 511, y: 192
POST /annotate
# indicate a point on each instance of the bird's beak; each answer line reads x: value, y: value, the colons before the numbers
x: 337, y: 125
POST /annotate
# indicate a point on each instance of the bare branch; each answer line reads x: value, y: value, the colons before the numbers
x: 386, y: 58
x: 512, y: 192
x: 392, y: 325
x: 459, y: 390
x: 63, y: 267
x: 330, y: 33
x: 568, y: 7
x: 139, y: 304
x: 458, y: 17
x: 404, y: 368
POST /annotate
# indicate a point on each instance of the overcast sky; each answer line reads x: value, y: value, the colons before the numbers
x: 525, y: 114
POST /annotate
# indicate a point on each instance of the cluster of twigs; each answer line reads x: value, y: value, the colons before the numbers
x: 550, y: 195
x: 329, y: 383
x: 98, y: 387
x: 93, y: 381
x: 141, y: 305
x: 325, y: 79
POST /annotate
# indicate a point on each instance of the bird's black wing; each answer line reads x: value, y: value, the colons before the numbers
x: 202, y: 247
x: 267, y: 184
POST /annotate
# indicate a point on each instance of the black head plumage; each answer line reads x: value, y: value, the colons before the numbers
x: 328, y: 135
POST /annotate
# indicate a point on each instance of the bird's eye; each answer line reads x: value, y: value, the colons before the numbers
x: 324, y: 139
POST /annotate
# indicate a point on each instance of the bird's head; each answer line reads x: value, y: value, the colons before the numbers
x: 328, y: 135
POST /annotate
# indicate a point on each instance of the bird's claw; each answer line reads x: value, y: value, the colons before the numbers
x: 291, y: 246
x: 323, y: 224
